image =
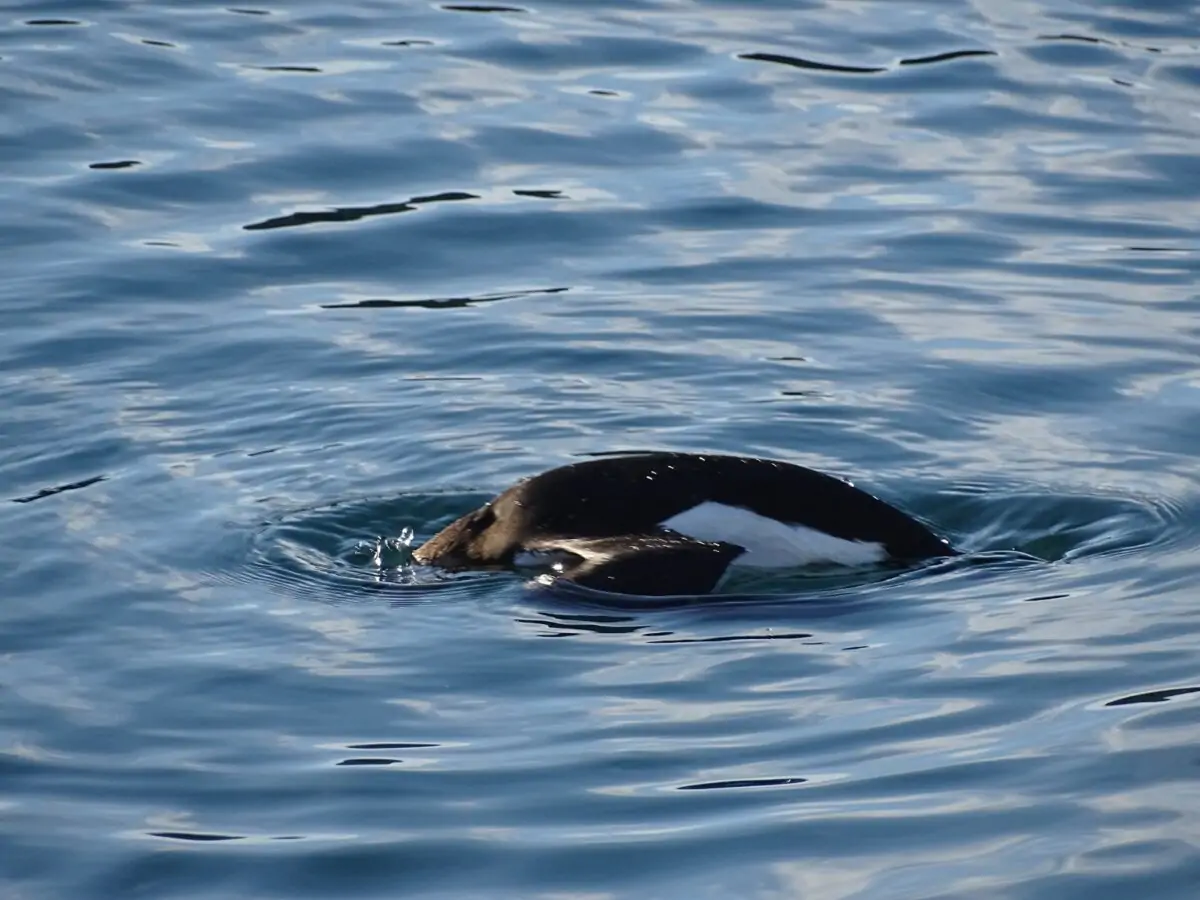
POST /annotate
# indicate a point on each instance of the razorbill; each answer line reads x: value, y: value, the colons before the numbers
x: 673, y: 523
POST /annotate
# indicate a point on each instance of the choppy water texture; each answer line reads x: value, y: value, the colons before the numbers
x: 281, y: 281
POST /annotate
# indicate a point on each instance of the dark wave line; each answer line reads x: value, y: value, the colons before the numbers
x: 551, y: 194
x: 1087, y: 39
x: 944, y: 57
x: 1042, y: 597
x: 59, y: 489
x: 1153, y: 696
x: 441, y: 302
x: 801, y: 63
x: 354, y: 213
x: 444, y: 197
x: 305, y: 69
x: 115, y: 164
x: 568, y: 629
x: 463, y: 7
x: 741, y: 783
x: 720, y: 639
x: 196, y: 836
x: 210, y: 837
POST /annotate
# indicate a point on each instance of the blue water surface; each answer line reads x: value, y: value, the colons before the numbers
x: 282, y: 281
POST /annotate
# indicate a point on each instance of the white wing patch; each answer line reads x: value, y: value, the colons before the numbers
x: 770, y: 543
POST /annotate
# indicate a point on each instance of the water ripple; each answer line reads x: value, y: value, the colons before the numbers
x: 283, y: 281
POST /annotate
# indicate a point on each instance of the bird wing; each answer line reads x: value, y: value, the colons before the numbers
x: 644, y: 564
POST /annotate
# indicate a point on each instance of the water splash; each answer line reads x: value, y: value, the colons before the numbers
x: 390, y: 554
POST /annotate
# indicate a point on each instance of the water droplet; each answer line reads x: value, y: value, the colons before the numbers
x: 406, y: 536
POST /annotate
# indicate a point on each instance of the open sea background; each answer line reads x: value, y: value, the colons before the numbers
x: 283, y: 280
